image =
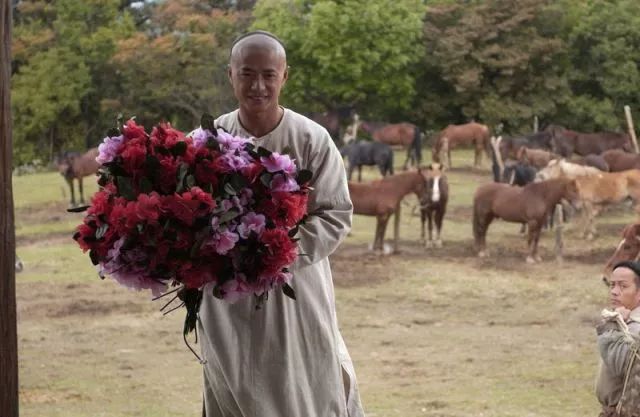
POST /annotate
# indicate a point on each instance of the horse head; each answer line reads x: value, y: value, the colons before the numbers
x: 64, y: 162
x: 627, y: 250
x: 554, y: 169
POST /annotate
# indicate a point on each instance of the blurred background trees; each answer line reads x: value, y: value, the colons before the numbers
x: 77, y: 64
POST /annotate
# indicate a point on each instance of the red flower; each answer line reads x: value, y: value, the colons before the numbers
x: 132, y: 130
x: 183, y: 207
x: 133, y: 157
x: 205, y: 174
x: 100, y: 203
x: 252, y: 171
x: 280, y: 250
x: 291, y: 208
x: 195, y: 276
x: 85, y: 231
x: 148, y: 207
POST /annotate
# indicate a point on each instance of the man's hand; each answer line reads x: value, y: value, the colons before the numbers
x: 624, y: 312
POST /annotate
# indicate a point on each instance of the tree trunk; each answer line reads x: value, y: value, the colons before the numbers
x: 8, y: 331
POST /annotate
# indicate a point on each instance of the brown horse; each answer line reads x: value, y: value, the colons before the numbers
x: 531, y: 204
x: 620, y: 160
x: 406, y: 135
x: 537, y: 158
x: 567, y: 142
x: 433, y: 205
x: 381, y: 198
x: 627, y: 250
x: 73, y: 165
x: 453, y: 136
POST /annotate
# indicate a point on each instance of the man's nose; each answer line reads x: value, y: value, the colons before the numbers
x: 258, y: 83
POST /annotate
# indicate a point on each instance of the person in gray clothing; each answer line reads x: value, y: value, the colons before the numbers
x: 614, y: 348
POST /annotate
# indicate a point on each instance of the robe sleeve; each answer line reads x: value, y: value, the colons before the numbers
x: 615, y: 349
x: 329, y: 207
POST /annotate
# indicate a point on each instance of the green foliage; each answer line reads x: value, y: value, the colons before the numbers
x: 347, y: 52
x: 498, y: 61
x: 604, y: 50
x: 176, y: 70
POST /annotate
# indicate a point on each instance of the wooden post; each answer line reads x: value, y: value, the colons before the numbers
x: 8, y: 327
x: 535, y: 124
x: 559, y: 225
x: 495, y: 144
x: 632, y: 131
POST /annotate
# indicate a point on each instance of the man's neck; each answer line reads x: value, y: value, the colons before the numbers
x: 259, y: 124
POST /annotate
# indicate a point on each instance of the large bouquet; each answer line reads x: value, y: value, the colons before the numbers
x: 184, y: 211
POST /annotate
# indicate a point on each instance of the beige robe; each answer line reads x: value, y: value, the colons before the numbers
x: 287, y: 359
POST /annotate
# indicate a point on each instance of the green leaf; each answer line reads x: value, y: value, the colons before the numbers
x: 304, y: 176
x: 288, y: 291
x: 191, y: 181
x: 125, y: 188
x: 213, y: 145
x: 264, y: 152
x: 102, y: 230
x: 265, y: 179
x: 113, y: 132
x: 207, y: 121
x: 145, y: 185
x: 78, y: 209
x: 228, y: 188
x: 238, y: 181
x: 182, y: 173
x: 179, y: 148
x: 229, y: 215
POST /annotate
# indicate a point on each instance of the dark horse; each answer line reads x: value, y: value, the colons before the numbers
x: 381, y: 198
x: 433, y: 205
x: 406, y: 135
x: 567, y: 142
x: 619, y: 160
x: 531, y: 204
x: 73, y: 165
x: 364, y: 152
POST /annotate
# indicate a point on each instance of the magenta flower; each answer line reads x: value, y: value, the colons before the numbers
x: 251, y: 222
x: 229, y: 142
x: 230, y: 162
x: 108, y: 149
x: 200, y: 137
x: 284, y: 183
x: 276, y: 162
x: 223, y: 241
x: 235, y: 289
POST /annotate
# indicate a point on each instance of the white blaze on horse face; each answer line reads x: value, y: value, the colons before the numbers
x: 435, y: 192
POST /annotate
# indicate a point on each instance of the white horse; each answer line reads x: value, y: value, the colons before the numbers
x: 560, y: 168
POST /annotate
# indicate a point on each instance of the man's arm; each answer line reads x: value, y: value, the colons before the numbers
x: 614, y: 349
x: 330, y: 207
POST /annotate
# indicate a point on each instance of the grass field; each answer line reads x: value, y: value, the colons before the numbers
x: 435, y: 332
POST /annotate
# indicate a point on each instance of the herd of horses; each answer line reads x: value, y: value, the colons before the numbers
x: 532, y: 174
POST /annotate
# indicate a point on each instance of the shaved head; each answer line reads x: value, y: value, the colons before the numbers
x: 258, y: 40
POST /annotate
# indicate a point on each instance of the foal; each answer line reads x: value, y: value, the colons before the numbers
x: 530, y: 204
x: 434, y: 203
x: 381, y: 198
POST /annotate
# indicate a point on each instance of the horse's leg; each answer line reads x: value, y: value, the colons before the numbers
x: 81, y: 191
x: 73, y: 192
x: 396, y: 227
x: 449, y: 158
x: 359, y: 173
x: 423, y: 218
x: 587, y: 220
x: 430, y: 228
x: 534, y: 236
x: 376, y: 237
x: 383, y: 220
x: 439, y: 217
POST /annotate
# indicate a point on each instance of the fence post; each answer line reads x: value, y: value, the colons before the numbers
x: 535, y: 124
x: 632, y: 131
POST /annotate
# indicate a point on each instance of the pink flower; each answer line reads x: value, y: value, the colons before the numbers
x: 200, y: 137
x: 223, y: 241
x: 235, y: 289
x: 284, y: 183
x: 251, y: 222
x: 229, y: 142
x: 108, y: 149
x: 230, y: 162
x: 276, y: 162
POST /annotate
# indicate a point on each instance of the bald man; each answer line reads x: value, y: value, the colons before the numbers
x: 287, y: 359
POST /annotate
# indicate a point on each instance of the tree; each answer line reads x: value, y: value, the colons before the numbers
x: 347, y: 52
x: 175, y: 70
x: 495, y: 61
x: 604, y: 52
x: 8, y: 330
x: 63, y: 48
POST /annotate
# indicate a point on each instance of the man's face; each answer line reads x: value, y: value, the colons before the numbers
x: 258, y: 75
x: 623, y: 290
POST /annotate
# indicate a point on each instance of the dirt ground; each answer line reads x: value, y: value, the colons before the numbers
x: 432, y: 332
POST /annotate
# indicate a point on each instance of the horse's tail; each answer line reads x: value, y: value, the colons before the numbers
x: 389, y: 163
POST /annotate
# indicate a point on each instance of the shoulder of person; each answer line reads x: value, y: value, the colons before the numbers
x: 315, y: 130
x: 225, y: 120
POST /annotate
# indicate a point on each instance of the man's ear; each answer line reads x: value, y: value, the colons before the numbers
x: 229, y: 74
x: 285, y: 76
